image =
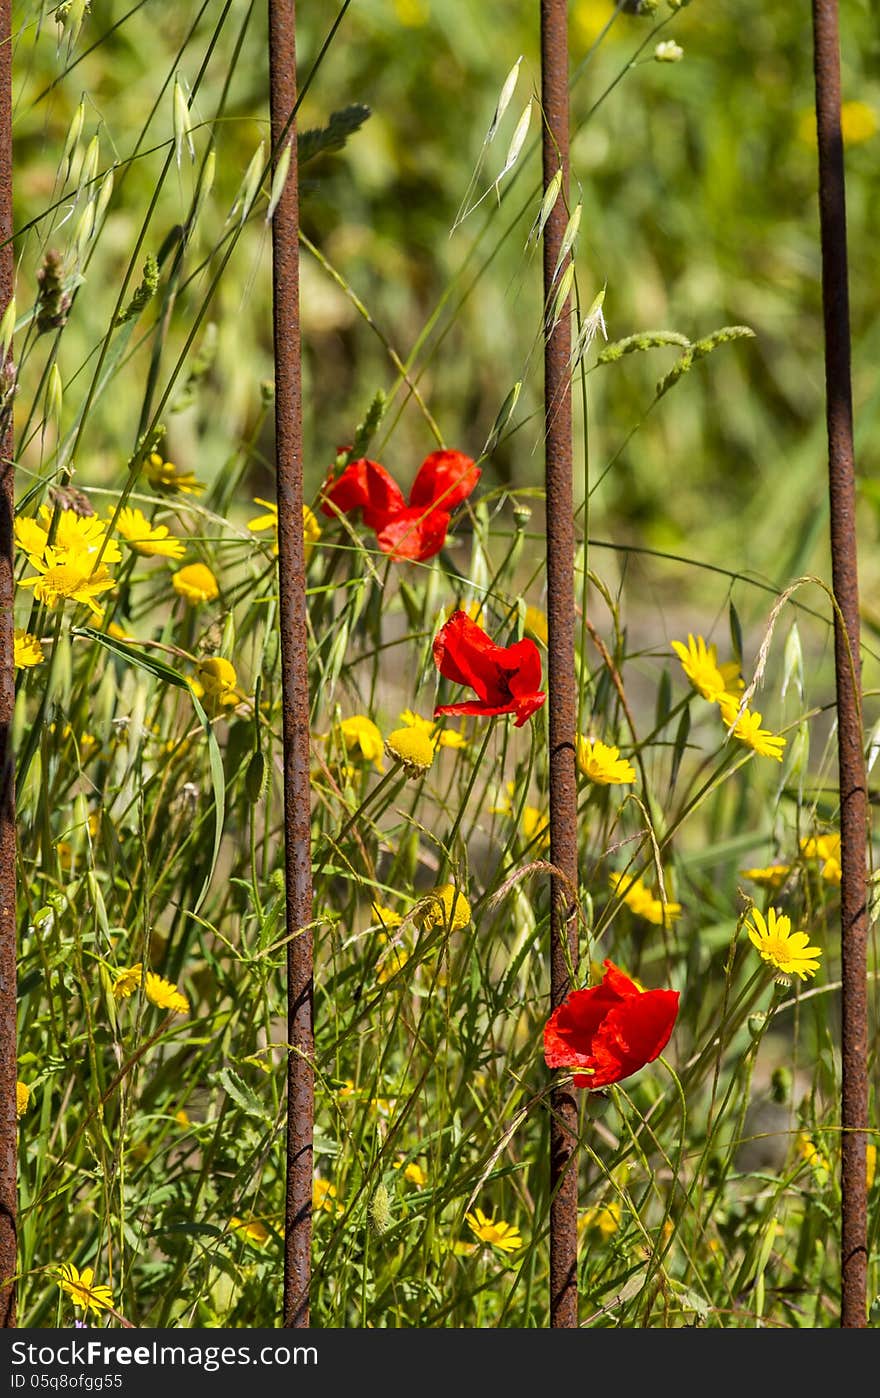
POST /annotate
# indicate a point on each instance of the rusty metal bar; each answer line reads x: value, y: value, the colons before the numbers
x: 294, y: 674
x: 8, y: 1035
x: 847, y: 658
x: 562, y: 689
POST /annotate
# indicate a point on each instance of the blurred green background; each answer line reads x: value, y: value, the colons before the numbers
x: 699, y: 209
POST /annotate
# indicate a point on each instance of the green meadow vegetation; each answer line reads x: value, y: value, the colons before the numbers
x: 152, y: 936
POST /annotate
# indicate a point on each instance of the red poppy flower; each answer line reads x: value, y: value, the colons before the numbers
x: 415, y: 529
x: 612, y: 1029
x: 506, y: 678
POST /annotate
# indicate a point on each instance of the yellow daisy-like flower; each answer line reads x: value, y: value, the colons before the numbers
x: 218, y: 682
x: 700, y: 664
x: 858, y: 122
x: 70, y: 577
x: 361, y: 735
x: 603, y: 764
x: 641, y: 901
x: 505, y: 1236
x: 126, y: 981
x: 22, y: 1098
x: 324, y: 1197
x: 809, y: 1152
x: 446, y: 908
x: 441, y: 737
x: 827, y: 848
x: 165, y: 995
x: 252, y: 1229
x: 82, y: 1287
x: 387, y: 916
x: 195, y: 583
x: 788, y: 952
x: 27, y: 649
x: 536, y: 623
x: 603, y: 1219
x: 412, y: 1172
x: 536, y: 828
x: 413, y: 747
x: 30, y: 538
x: 154, y: 540
x: 74, y: 534
x: 747, y: 729
x: 773, y: 876
x: 165, y: 477
x: 269, y: 520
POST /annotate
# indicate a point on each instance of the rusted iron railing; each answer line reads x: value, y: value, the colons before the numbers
x: 562, y: 691
x: 850, y: 746
x: 8, y: 1056
x: 294, y: 672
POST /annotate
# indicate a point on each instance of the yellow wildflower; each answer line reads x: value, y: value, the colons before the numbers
x: 252, y: 1229
x: 154, y: 540
x: 360, y: 734
x: 603, y: 1219
x: 773, y: 876
x: 788, y: 952
x: 269, y: 520
x: 387, y: 916
x: 446, y: 908
x: 165, y: 995
x: 700, y: 664
x: 22, y: 1098
x: 412, y: 1172
x: 505, y: 1236
x: 324, y: 1197
x: 440, y: 737
x: 640, y: 900
x: 195, y: 583
x: 827, y: 848
x: 27, y: 649
x: 165, y: 477
x: 603, y: 764
x: 82, y: 1287
x: 747, y: 728
x: 809, y: 1152
x: 74, y: 534
x: 413, y: 747
x: 870, y: 1165
x: 126, y: 981
x: 536, y: 828
x: 858, y: 122
x: 182, y: 1118
x: 69, y: 577
x: 217, y: 680
x: 536, y: 622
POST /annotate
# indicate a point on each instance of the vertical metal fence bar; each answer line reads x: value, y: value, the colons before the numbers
x: 294, y: 674
x: 850, y: 747
x: 562, y: 692
x: 8, y: 1074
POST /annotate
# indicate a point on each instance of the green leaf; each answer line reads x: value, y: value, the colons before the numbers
x: 236, y: 1088
x: 320, y: 140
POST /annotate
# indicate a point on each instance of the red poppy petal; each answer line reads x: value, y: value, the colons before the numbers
x: 445, y: 478
x: 613, y: 1029
x: 414, y: 534
x: 474, y: 706
x: 524, y: 708
x: 522, y: 660
x: 367, y: 486
x: 464, y: 654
